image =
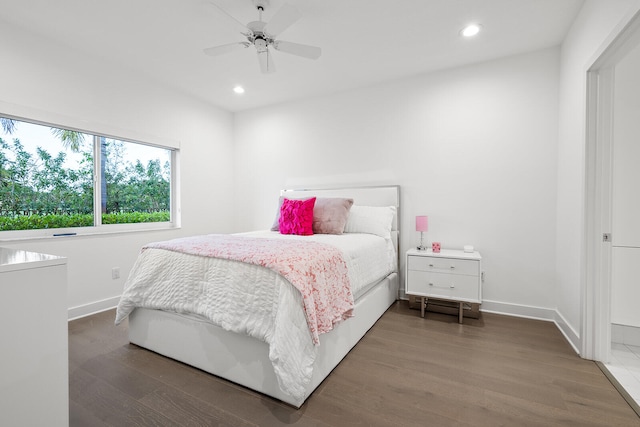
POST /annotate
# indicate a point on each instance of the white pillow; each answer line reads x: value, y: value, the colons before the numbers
x: 376, y: 220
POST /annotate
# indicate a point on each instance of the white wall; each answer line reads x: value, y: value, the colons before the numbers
x: 588, y: 36
x: 50, y: 82
x: 474, y: 148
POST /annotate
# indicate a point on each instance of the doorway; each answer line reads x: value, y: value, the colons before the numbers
x: 613, y: 135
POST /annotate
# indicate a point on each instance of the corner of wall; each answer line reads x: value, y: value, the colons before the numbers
x: 569, y: 333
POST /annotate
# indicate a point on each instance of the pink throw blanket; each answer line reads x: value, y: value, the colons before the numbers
x: 317, y: 270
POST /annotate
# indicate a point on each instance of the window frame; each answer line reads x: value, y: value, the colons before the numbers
x: 98, y: 228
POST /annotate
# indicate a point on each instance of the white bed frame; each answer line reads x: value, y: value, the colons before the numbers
x: 245, y: 360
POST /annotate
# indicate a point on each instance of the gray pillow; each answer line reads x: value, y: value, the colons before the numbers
x: 330, y: 215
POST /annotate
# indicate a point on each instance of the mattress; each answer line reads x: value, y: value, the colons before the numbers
x: 369, y: 257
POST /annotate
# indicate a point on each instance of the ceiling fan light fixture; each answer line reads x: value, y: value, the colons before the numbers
x: 260, y: 44
x: 238, y: 90
x: 471, y: 30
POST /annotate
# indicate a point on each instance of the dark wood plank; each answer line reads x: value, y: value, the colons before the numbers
x: 199, y: 385
x: 407, y: 370
x: 81, y: 416
x: 109, y: 404
x: 183, y: 409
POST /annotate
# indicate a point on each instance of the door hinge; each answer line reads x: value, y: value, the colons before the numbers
x: 606, y: 237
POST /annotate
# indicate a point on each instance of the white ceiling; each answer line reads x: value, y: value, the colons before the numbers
x: 363, y: 42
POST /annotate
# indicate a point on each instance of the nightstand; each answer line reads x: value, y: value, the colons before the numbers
x: 451, y: 275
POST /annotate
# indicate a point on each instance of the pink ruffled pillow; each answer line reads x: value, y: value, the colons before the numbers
x: 296, y: 217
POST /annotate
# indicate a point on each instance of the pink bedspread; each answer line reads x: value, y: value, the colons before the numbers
x: 317, y: 270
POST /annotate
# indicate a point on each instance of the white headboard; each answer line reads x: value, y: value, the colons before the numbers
x: 386, y: 195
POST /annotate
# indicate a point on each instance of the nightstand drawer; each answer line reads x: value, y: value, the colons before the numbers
x: 444, y: 265
x: 443, y: 285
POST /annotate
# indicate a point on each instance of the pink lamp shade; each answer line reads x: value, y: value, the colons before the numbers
x: 422, y: 223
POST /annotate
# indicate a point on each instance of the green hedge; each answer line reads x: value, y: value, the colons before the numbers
x: 37, y: 222
x: 136, y: 217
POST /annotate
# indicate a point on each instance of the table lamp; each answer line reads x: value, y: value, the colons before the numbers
x: 422, y: 226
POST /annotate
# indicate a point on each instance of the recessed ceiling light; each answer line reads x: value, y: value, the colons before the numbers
x: 471, y: 30
x: 239, y: 90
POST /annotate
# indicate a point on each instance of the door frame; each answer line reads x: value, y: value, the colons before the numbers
x: 596, y: 298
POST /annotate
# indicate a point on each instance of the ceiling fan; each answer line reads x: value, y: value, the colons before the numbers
x: 263, y: 35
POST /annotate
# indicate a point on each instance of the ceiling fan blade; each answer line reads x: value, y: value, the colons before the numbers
x: 311, y: 52
x: 226, y: 48
x: 283, y: 19
x: 241, y: 27
x: 266, y: 62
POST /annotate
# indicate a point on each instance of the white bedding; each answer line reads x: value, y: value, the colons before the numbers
x: 251, y: 299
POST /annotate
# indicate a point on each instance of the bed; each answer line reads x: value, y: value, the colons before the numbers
x: 265, y: 340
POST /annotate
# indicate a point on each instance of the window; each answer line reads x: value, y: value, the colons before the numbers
x: 53, y: 179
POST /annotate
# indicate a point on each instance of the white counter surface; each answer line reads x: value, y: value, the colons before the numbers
x: 17, y: 259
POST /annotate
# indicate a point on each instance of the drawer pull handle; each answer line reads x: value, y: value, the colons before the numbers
x: 452, y: 286
x: 430, y: 284
x: 430, y: 265
x: 452, y: 267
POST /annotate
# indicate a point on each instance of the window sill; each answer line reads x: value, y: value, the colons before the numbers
x: 66, y: 233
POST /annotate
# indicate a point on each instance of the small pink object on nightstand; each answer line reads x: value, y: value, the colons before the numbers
x: 435, y: 246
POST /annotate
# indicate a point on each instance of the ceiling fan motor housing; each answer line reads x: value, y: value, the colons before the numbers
x: 258, y: 37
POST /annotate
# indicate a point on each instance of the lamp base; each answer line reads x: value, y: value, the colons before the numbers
x: 421, y: 246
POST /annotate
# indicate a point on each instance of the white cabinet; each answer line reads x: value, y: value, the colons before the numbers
x: 34, y: 373
x: 448, y: 275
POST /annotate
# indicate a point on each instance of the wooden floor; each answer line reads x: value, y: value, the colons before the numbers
x: 406, y: 371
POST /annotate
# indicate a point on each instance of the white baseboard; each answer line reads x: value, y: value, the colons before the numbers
x: 625, y: 334
x: 518, y: 310
x: 92, y: 308
x: 569, y: 333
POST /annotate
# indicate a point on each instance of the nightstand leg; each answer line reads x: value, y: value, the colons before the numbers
x: 422, y: 305
x: 460, y: 313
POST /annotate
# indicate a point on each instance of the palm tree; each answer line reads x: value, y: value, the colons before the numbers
x: 70, y: 139
x: 8, y: 125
